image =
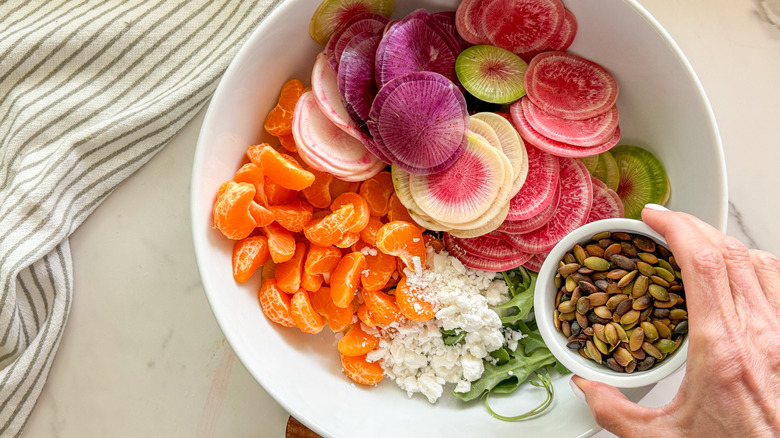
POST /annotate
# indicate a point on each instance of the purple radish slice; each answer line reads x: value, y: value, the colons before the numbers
x: 534, y: 222
x: 485, y: 246
x: 606, y: 203
x: 365, y: 22
x: 356, y: 76
x: 447, y: 21
x: 319, y: 137
x: 420, y: 120
x: 324, y: 85
x: 572, y: 212
x: 530, y: 135
x: 331, y: 15
x: 524, y: 27
x: 466, y: 190
x: 467, y: 21
x: 584, y: 133
x: 489, y: 227
x: 562, y: 41
x: 570, y: 86
x: 415, y: 44
x: 511, y: 144
x: 540, y: 186
x: 535, y: 262
x: 372, y: 147
x: 482, y: 263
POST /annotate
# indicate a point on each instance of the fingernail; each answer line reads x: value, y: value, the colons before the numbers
x: 656, y: 207
x: 576, y: 390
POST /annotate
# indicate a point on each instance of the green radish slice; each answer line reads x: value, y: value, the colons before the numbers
x: 491, y: 74
x: 604, y: 168
x: 643, y: 179
x: 466, y: 190
x: 511, y: 144
x: 332, y: 14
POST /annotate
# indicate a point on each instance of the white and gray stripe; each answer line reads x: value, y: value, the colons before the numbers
x: 89, y: 91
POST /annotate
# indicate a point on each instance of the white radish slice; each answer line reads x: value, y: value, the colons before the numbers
x: 539, y: 188
x: 362, y: 176
x: 584, y: 133
x: 325, y: 86
x: 425, y: 221
x: 485, y: 131
x: 402, y: 190
x: 606, y: 202
x: 570, y: 86
x: 319, y: 137
x: 512, y: 145
x: 489, y: 227
x: 466, y: 190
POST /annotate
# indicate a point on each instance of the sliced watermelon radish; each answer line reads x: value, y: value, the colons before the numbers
x: 415, y: 44
x: 466, y: 190
x: 534, y: 222
x: 570, y: 86
x: 466, y: 21
x: 606, y: 203
x: 535, y: 262
x: 324, y: 85
x: 585, y: 133
x: 565, y: 37
x: 489, y: 227
x: 482, y: 263
x: 447, y: 21
x: 333, y: 14
x: 524, y: 27
x: 356, y: 76
x: 485, y: 131
x: 420, y: 120
x: 572, y: 212
x: 357, y: 24
x: 551, y: 146
x: 540, y: 186
x: 512, y: 145
x: 489, y: 247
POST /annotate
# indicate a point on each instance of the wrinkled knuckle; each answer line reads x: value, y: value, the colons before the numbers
x: 707, y: 260
x: 765, y: 261
x: 734, y: 251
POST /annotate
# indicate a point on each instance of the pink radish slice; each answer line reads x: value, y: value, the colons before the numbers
x: 565, y: 37
x: 569, y: 86
x: 358, y: 23
x: 524, y: 27
x: 356, y: 76
x: 420, y: 119
x: 368, y: 173
x: 466, y: 21
x: 606, y: 203
x: 482, y: 263
x: 320, y: 138
x: 584, y: 133
x: 534, y: 222
x: 324, y: 85
x: 446, y: 19
x: 572, y: 212
x: 485, y: 246
x: 539, y: 188
x: 530, y: 135
x: 415, y: 44
x: 535, y: 262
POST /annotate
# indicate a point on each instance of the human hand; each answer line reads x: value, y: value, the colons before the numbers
x: 731, y: 386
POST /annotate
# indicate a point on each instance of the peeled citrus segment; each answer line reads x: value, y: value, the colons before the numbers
x: 606, y: 203
x: 345, y: 278
x: 643, y: 179
x: 332, y: 14
x: 357, y: 341
x: 275, y: 304
x: 414, y: 302
x: 603, y: 167
x: 281, y: 243
x: 361, y: 370
x: 377, y: 191
x: 524, y: 27
x: 570, y: 86
x: 303, y: 314
x: 311, y: 283
x: 404, y: 240
x: 288, y: 274
x: 362, y: 213
x: 248, y: 255
x: 278, y: 122
x: 589, y: 132
x: 464, y: 191
x: 330, y: 229
x: 491, y: 74
x: 318, y: 194
x: 379, y: 267
x: 321, y: 260
x: 383, y: 307
x: 338, y: 318
x: 293, y: 215
x: 283, y: 170
x: 232, y: 215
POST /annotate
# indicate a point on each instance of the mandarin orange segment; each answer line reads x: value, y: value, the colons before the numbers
x: 348, y: 240
x: 284, y: 170
x: 361, y: 370
x: 339, y: 187
x: 318, y: 193
x: 275, y: 304
x: 330, y: 229
x: 288, y: 143
x: 338, y: 318
x: 377, y: 191
x: 398, y: 212
x: 260, y: 214
x: 293, y: 215
x: 362, y: 213
x: 278, y: 122
x: 413, y: 302
x: 379, y: 267
x: 248, y: 255
x: 288, y: 274
x: 345, y: 278
x: 303, y: 314
x: 393, y: 281
x: 231, y: 213
x: 253, y: 174
x: 402, y: 239
x: 276, y: 194
x: 321, y: 259
x: 368, y: 233
x: 281, y: 242
x: 383, y: 307
x: 364, y: 315
x: 311, y: 282
x: 357, y: 341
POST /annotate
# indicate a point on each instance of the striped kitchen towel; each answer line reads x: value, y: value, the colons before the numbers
x: 89, y: 91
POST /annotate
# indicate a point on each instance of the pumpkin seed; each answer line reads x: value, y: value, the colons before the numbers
x: 602, y: 312
x: 610, y: 333
x: 629, y: 318
x: 665, y: 346
x: 612, y: 250
x: 622, y: 336
x: 638, y: 354
x: 636, y: 339
x: 658, y: 292
x: 623, y: 262
x: 648, y: 258
x: 626, y: 279
x: 588, y: 288
x: 628, y: 249
x: 601, y: 285
x: 602, y: 235
x: 583, y: 305
x: 601, y: 346
x: 622, y: 356
x: 598, y: 299
x: 582, y: 320
x: 567, y: 307
x: 651, y: 350
x: 567, y: 316
x: 594, y: 352
x: 621, y: 236
x: 556, y: 320
x: 571, y: 283
x: 569, y: 258
x: 651, y: 332
x: 642, y: 303
x: 660, y: 313
x: 579, y: 253
x: 659, y: 281
x: 568, y: 269
x: 646, y: 364
x: 594, y: 251
x: 616, y: 274
x: 598, y: 332
x: 614, y: 366
x: 576, y: 345
x: 678, y: 314
x: 645, y: 269
x: 631, y: 367
x: 623, y: 307
x: 681, y: 328
x: 596, y: 263
x: 644, y: 243
x: 614, y: 300
x: 640, y: 286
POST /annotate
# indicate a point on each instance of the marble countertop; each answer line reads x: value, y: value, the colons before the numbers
x: 142, y: 354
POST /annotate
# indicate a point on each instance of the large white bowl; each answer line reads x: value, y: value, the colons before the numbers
x: 662, y: 108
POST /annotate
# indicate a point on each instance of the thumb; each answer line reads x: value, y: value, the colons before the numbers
x: 613, y: 411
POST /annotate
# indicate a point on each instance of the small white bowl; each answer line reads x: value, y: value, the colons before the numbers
x: 544, y: 298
